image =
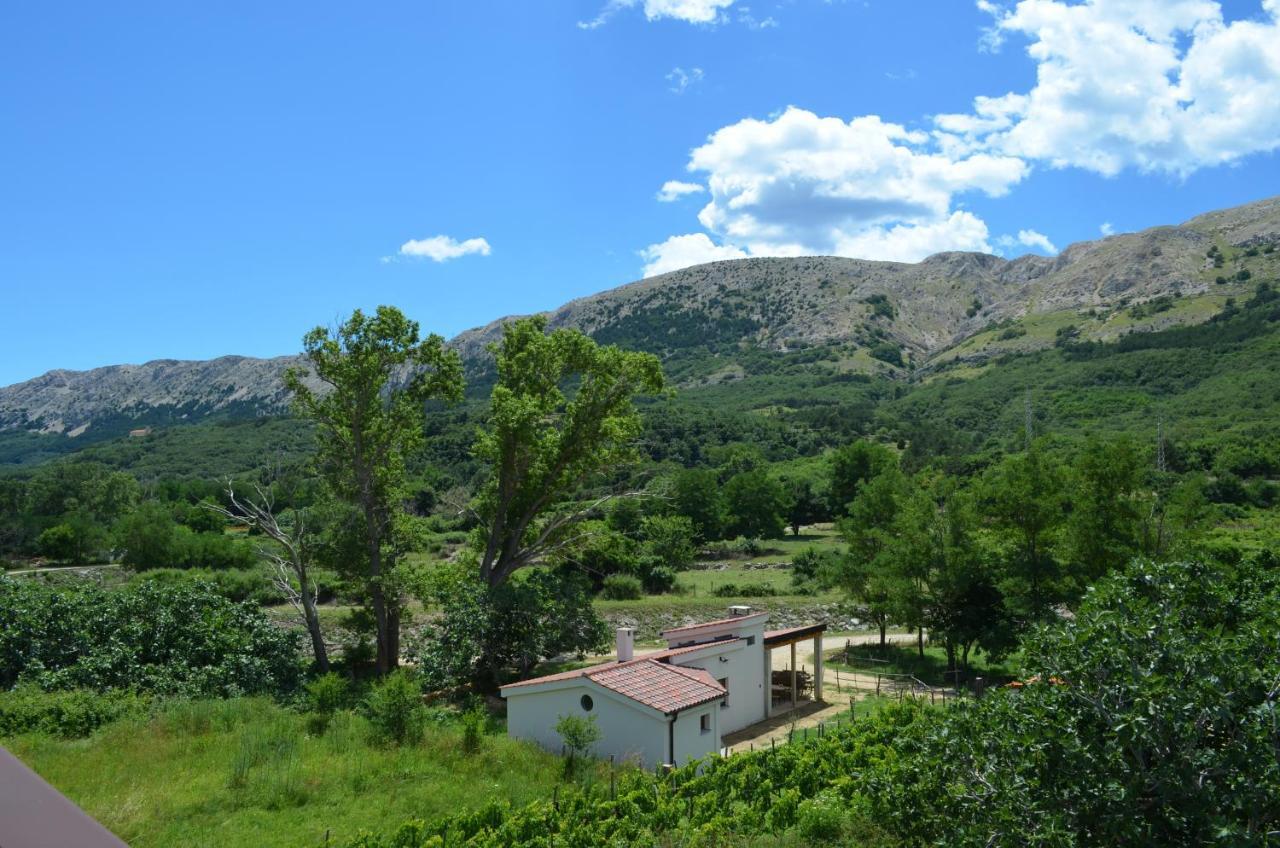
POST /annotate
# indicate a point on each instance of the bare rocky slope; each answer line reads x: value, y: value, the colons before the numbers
x: 927, y: 310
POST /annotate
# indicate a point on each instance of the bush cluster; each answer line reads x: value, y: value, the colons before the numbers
x: 183, y: 640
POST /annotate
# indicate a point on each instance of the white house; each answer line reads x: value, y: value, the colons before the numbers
x: 670, y: 706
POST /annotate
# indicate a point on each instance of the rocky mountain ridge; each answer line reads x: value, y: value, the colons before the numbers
x: 924, y: 309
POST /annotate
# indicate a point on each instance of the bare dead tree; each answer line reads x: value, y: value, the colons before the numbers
x: 290, y: 562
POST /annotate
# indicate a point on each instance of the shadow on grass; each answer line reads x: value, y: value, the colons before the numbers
x: 904, y: 659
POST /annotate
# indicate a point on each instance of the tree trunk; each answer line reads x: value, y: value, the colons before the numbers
x: 388, y: 648
x: 312, y: 619
x: 920, y: 640
x: 883, y: 643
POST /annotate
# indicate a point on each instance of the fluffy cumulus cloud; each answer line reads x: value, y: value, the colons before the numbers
x: 799, y: 183
x: 673, y: 190
x: 1156, y: 85
x: 682, y: 251
x: 691, y: 11
x: 1026, y: 238
x: 1164, y: 86
x: 443, y: 248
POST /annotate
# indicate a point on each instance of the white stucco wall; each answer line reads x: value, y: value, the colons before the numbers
x: 628, y: 732
x: 690, y: 742
x: 744, y: 668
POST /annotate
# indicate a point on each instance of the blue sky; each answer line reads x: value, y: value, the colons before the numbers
x: 187, y: 181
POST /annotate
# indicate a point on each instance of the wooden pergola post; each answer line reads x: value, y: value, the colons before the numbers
x: 817, y: 667
x: 794, y: 700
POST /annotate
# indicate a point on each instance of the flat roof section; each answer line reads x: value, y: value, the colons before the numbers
x: 35, y: 815
x: 775, y: 638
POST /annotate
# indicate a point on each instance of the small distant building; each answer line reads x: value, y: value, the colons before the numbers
x: 139, y: 433
x: 670, y: 706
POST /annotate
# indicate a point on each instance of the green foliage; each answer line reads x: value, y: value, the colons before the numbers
x: 756, y: 503
x: 484, y: 634
x: 328, y: 693
x: 544, y: 442
x: 234, y: 584
x: 621, y: 587
x: 170, y: 640
x: 669, y: 538
x: 852, y: 465
x: 696, y: 494
x: 150, y: 538
x: 579, y: 735
x: 69, y: 715
x: 1024, y: 497
x: 1150, y: 721
x: 474, y: 721
x: 887, y: 352
x: 880, y: 306
x: 395, y: 710
x: 367, y: 424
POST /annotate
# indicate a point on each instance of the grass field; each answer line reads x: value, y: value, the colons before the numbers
x: 903, y: 659
x: 246, y: 773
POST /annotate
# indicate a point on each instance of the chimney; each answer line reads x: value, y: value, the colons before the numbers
x: 626, y: 643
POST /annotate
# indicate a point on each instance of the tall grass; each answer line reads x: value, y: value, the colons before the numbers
x: 247, y: 772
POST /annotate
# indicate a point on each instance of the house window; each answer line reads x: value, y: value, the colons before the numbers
x: 751, y: 640
x: 587, y: 703
x: 724, y: 681
x: 704, y: 722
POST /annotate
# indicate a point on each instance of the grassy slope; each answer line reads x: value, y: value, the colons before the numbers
x: 172, y: 780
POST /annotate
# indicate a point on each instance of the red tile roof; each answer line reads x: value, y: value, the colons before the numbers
x: 666, y: 688
x: 591, y: 670
x: 650, y: 679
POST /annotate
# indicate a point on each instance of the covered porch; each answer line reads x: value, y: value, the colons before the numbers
x: 786, y: 689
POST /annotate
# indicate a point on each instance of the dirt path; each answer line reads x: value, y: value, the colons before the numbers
x: 26, y: 571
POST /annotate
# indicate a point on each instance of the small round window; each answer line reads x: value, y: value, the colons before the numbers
x: 587, y: 703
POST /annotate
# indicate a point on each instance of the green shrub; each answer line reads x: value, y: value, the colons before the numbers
x: 820, y: 820
x: 326, y: 695
x: 69, y: 715
x: 621, y: 587
x: 474, y: 722
x: 744, y: 590
x: 395, y: 710
x: 182, y: 640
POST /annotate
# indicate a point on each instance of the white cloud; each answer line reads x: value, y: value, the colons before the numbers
x: 1028, y: 238
x: 673, y: 190
x: 691, y: 11
x: 681, y: 79
x: 799, y: 183
x: 443, y: 248
x: 682, y: 251
x: 1106, y: 229
x: 1157, y: 85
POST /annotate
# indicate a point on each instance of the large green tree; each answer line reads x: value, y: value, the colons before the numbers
x: 756, y: 503
x: 1025, y: 499
x: 378, y: 373
x: 560, y: 417
x: 852, y: 466
x: 1104, y: 528
x: 868, y: 574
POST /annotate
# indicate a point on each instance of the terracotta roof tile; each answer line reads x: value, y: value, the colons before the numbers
x: 666, y: 688
x: 590, y: 670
